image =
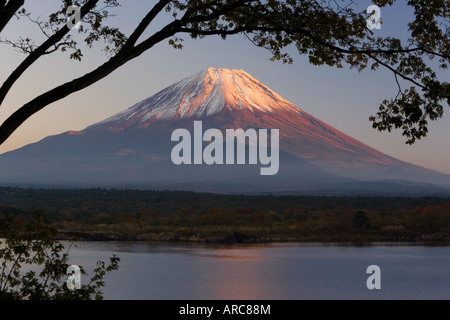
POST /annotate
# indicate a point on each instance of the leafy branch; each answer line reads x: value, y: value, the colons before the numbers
x: 328, y: 32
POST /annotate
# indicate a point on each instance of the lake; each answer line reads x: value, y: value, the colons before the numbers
x: 275, y: 271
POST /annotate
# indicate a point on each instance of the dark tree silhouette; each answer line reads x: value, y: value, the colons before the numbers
x: 361, y: 221
x: 33, y: 266
x: 329, y: 32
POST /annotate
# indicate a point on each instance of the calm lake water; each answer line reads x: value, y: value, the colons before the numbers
x: 277, y: 271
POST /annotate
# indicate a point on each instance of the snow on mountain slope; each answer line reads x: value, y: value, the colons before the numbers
x: 135, y: 144
x: 234, y: 99
x: 203, y: 94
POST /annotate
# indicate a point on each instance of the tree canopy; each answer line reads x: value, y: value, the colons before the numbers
x: 329, y: 32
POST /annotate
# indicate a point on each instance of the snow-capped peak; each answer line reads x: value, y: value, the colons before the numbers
x: 203, y: 94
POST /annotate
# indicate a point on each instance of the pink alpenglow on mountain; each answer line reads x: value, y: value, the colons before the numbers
x: 235, y: 99
x: 134, y: 146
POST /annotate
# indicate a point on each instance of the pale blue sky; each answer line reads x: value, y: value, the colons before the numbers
x: 342, y: 98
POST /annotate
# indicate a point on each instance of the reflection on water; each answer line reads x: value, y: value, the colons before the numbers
x: 269, y: 271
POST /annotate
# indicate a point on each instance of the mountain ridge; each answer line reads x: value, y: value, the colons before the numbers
x: 134, y: 145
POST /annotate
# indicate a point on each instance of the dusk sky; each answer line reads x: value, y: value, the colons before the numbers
x: 343, y: 98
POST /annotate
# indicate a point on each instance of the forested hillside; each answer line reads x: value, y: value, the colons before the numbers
x: 103, y: 214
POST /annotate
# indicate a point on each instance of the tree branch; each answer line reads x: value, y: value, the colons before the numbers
x: 126, y: 54
x: 7, y: 11
x: 369, y: 53
x: 312, y: 37
x: 62, y: 91
x: 217, y: 13
x: 396, y: 72
x: 204, y: 18
x: 133, y: 38
x: 40, y: 51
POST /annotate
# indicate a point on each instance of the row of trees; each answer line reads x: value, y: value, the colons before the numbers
x: 429, y: 219
x: 88, y: 202
x: 140, y: 210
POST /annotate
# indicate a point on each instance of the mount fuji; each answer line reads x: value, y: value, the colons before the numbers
x: 133, y: 147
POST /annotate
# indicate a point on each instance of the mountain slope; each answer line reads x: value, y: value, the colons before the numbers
x: 134, y: 146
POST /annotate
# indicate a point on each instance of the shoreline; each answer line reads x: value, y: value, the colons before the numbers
x: 242, y: 238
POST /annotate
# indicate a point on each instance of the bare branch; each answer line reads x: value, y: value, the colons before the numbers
x: 62, y: 91
x: 40, y: 51
x: 133, y: 38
